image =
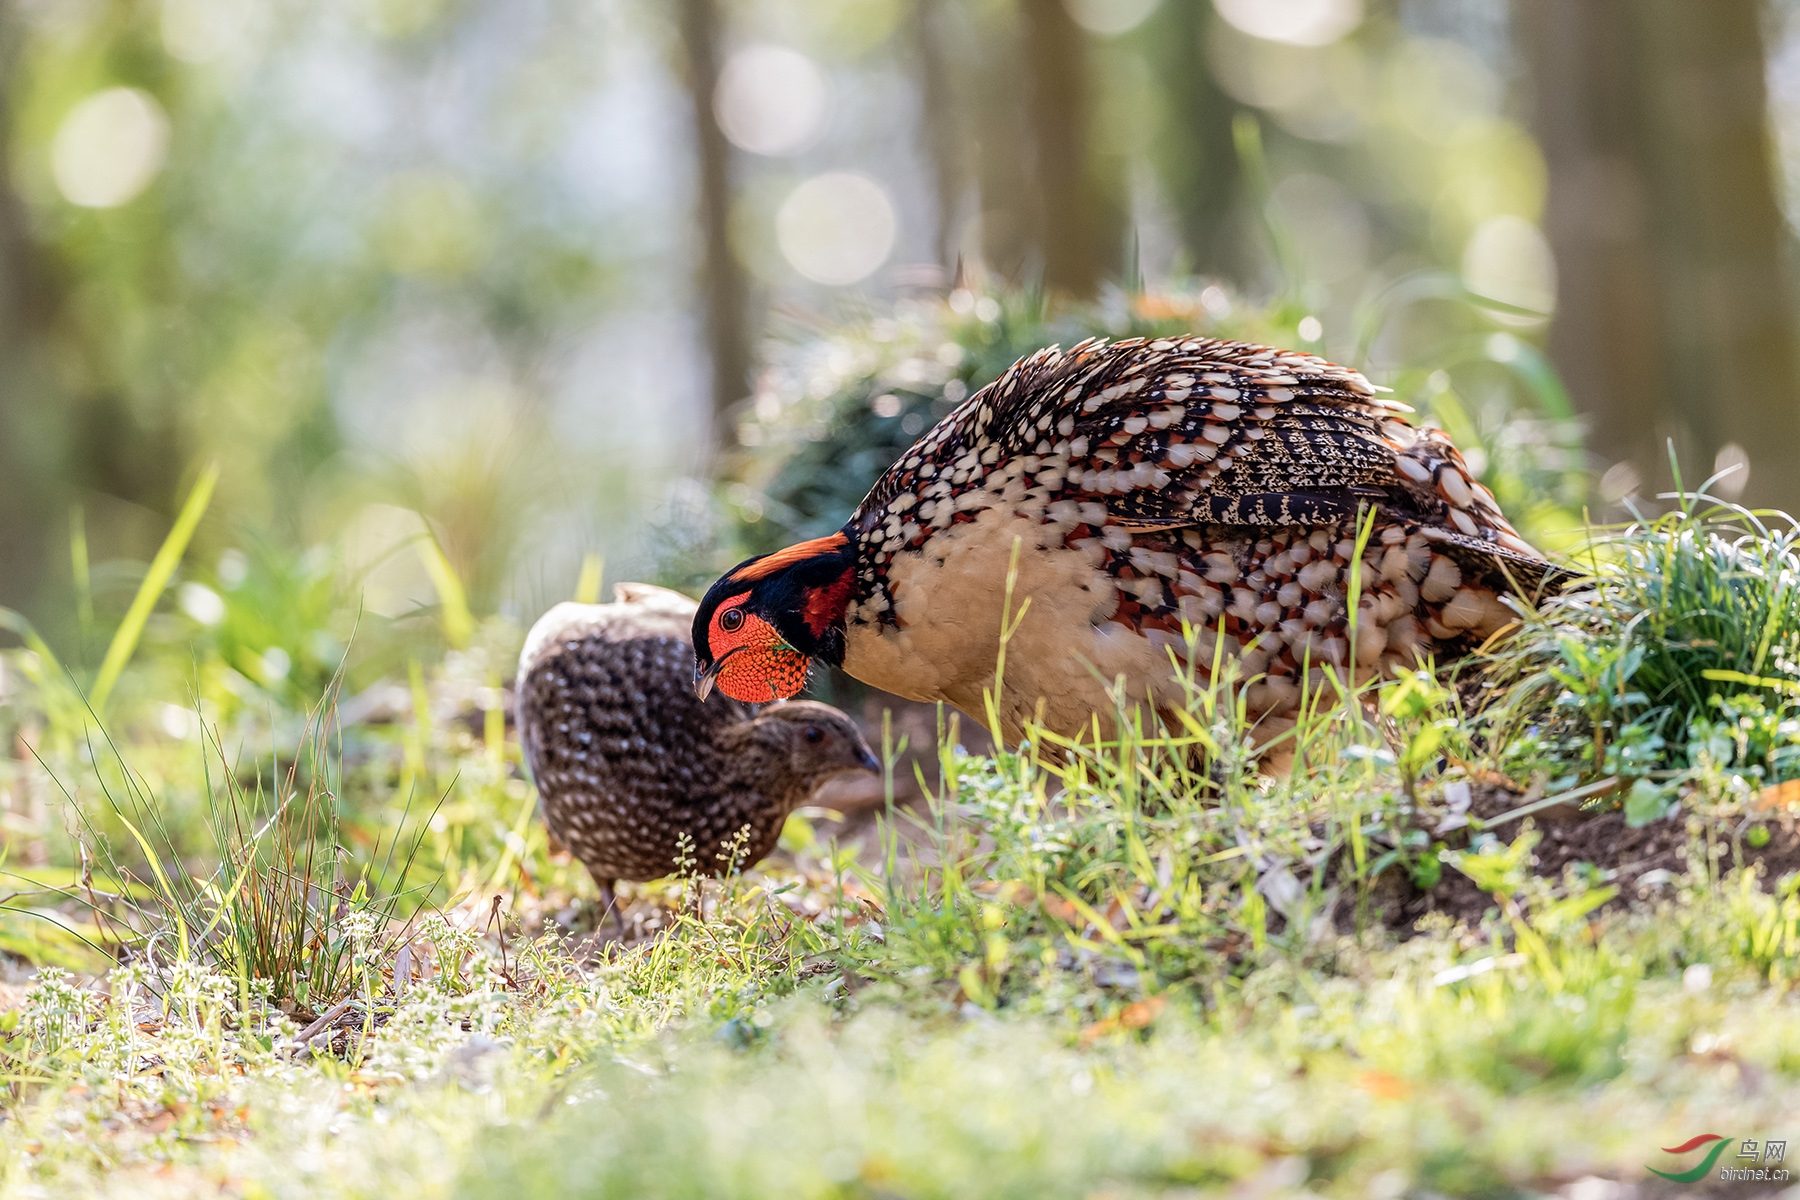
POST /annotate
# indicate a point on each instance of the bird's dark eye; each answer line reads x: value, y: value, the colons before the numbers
x: 813, y: 735
x: 731, y: 620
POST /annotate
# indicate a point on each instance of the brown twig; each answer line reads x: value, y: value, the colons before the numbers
x: 1604, y: 787
x: 305, y: 1036
x: 499, y: 928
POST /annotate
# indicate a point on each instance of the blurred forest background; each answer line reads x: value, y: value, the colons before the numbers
x: 459, y: 295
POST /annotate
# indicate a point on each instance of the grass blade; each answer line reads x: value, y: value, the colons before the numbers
x: 162, y: 567
x: 173, y: 900
x: 453, y: 602
x: 587, y: 587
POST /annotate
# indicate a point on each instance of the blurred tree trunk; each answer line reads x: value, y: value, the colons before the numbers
x: 942, y: 144
x: 722, y: 276
x: 1194, y: 153
x: 1080, y: 240
x: 1010, y: 221
x: 1674, y: 318
x: 33, y: 502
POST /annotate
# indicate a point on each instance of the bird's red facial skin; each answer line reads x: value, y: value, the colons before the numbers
x: 759, y: 674
x: 754, y: 662
x: 730, y: 626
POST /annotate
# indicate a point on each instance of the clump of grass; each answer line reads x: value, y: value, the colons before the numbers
x: 286, y: 911
x: 1677, y: 652
x: 291, y: 913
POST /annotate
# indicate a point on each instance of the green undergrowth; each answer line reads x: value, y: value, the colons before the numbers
x: 1132, y: 964
x: 1097, y: 970
x: 791, y: 1034
x: 1672, y: 663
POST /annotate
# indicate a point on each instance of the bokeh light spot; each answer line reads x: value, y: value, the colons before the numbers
x: 430, y: 225
x: 1508, y: 260
x: 199, y: 31
x: 1437, y: 88
x: 109, y: 148
x: 1490, y: 168
x: 202, y: 603
x: 1297, y: 22
x: 1273, y: 75
x: 178, y: 722
x: 1109, y: 18
x: 771, y: 100
x: 275, y: 663
x: 1731, y: 471
x: 398, y: 18
x: 836, y: 228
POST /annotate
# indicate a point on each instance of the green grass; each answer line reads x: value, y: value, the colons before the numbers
x: 752, y: 1053
x: 1671, y: 664
x: 1088, y: 972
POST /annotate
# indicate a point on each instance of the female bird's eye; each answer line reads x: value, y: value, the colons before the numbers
x: 731, y: 620
x: 813, y: 735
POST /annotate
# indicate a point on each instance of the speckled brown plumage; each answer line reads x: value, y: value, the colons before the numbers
x: 1189, y: 479
x: 627, y: 760
x: 1151, y: 485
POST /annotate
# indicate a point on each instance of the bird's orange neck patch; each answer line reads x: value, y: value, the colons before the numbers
x: 760, y: 674
x: 768, y: 564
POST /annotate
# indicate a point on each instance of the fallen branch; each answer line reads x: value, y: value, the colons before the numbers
x: 304, y: 1038
x: 1600, y: 787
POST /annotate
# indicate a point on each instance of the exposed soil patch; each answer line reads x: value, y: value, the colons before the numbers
x: 1639, y: 861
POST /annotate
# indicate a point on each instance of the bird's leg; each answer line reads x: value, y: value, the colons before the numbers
x: 609, y: 910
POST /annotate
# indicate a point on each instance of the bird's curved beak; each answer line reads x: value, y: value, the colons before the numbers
x: 704, y: 678
x: 868, y: 760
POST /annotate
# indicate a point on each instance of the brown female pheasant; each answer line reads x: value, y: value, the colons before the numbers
x: 629, y: 762
x: 1148, y: 485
